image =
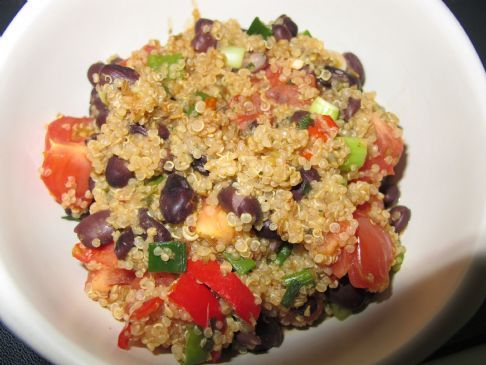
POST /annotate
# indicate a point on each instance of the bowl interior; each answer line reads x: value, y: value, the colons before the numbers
x: 427, y: 74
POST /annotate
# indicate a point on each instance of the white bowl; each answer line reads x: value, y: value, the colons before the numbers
x: 418, y: 59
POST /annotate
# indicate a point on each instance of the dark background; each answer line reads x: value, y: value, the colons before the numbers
x: 472, y: 16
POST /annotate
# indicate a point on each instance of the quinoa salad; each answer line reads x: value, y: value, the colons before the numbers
x: 227, y: 185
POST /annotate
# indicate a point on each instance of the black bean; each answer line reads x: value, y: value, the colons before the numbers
x: 91, y: 184
x: 311, y: 310
x: 248, y: 339
x: 280, y: 31
x: 138, y: 129
x: 95, y: 68
x: 266, y: 232
x: 146, y: 222
x: 289, y: 24
x: 112, y: 71
x: 339, y: 75
x: 203, y: 25
x: 399, y: 217
x: 299, y: 115
x: 95, y: 226
x: 198, y: 165
x: 117, y: 173
x: 270, y: 333
x: 355, y: 65
x: 391, y: 195
x: 351, y: 109
x: 239, y: 204
x: 163, y: 131
x: 177, y: 199
x: 299, y: 191
x: 98, y: 109
x: 124, y: 244
x: 347, y: 296
x: 203, y: 41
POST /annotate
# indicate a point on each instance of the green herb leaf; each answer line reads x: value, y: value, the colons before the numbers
x: 283, y: 254
x: 307, y: 33
x: 190, y: 110
x: 240, y: 264
x: 258, y: 27
x: 71, y: 218
x: 177, y: 261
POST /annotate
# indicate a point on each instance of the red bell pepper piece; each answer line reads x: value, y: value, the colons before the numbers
x: 103, y: 255
x: 196, y: 299
x: 147, y: 308
x: 228, y: 286
x: 124, y: 337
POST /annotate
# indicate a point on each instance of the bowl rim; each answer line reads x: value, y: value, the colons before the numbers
x: 45, y: 339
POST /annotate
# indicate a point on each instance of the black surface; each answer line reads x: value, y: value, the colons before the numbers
x: 471, y: 14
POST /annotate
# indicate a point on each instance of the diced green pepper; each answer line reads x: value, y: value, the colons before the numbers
x: 195, y: 353
x: 340, y: 312
x: 322, y: 107
x: 258, y: 27
x: 303, y: 277
x: 156, y: 60
x: 241, y: 264
x: 307, y: 33
x: 283, y: 254
x: 177, y: 258
x: 234, y: 56
x: 357, y: 153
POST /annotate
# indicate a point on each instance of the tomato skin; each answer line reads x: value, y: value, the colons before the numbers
x: 150, y: 306
x: 105, y: 255
x: 390, y: 148
x: 281, y: 92
x: 102, y: 280
x: 368, y: 266
x: 66, y: 166
x: 124, y: 337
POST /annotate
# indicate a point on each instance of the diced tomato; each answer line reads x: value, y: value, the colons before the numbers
x: 306, y: 154
x: 390, y: 148
x: 281, y: 92
x: 196, y: 299
x: 102, y: 280
x: 215, y: 356
x: 211, y: 102
x: 67, y: 130
x: 369, y: 265
x: 148, y: 48
x: 124, y: 337
x: 245, y: 119
x: 147, y: 308
x: 163, y: 278
x: 66, y: 166
x: 228, y: 286
x: 104, y: 255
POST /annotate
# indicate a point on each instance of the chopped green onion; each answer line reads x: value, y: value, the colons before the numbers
x: 167, y: 257
x: 305, y: 122
x: 357, y: 153
x: 283, y: 254
x: 292, y: 291
x: 202, y: 95
x: 156, y: 60
x: 234, y: 56
x: 322, y: 107
x: 241, y: 264
x: 190, y: 110
x: 71, y: 218
x: 195, y: 353
x: 307, y: 33
x: 258, y: 27
x: 155, y: 180
x: 340, y: 312
x: 303, y: 277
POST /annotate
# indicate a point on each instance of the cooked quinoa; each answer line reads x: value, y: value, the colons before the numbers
x: 257, y: 148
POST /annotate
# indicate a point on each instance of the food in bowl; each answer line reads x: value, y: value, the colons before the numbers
x: 228, y: 184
